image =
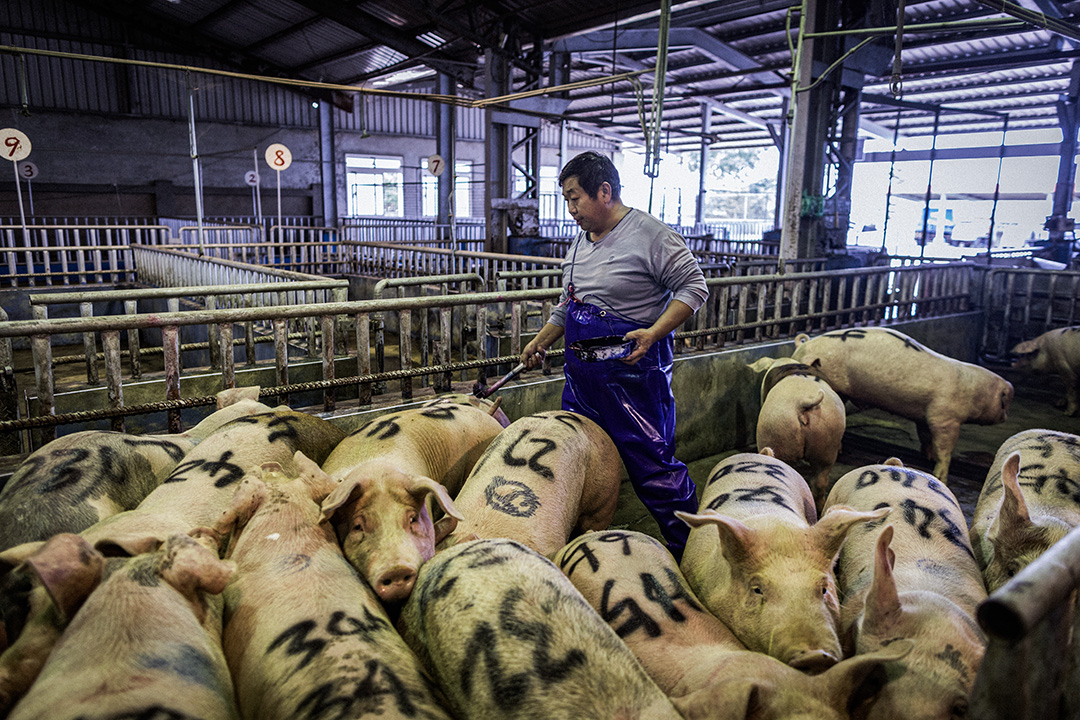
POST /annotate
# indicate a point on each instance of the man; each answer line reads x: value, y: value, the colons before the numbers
x: 629, y: 275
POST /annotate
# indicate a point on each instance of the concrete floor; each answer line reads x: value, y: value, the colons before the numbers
x: 874, y: 435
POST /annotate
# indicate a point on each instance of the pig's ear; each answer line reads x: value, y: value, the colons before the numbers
x: 129, y: 544
x: 834, y: 525
x: 69, y: 570
x: 318, y: 482
x: 882, y: 600
x: 854, y: 685
x: 1026, y: 348
x: 231, y: 396
x: 767, y: 452
x: 424, y: 486
x: 346, y: 491
x: 188, y: 566
x: 761, y: 364
x: 246, y: 501
x: 1013, y: 514
x: 736, y: 698
x: 736, y: 539
x: 16, y: 556
x: 894, y: 462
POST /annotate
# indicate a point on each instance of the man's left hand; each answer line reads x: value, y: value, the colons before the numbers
x: 643, y: 340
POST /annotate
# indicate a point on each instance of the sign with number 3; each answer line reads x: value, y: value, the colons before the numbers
x: 14, y: 145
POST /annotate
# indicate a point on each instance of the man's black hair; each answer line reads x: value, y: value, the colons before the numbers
x: 592, y: 170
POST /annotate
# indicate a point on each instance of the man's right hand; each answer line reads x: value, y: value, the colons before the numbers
x: 533, y: 355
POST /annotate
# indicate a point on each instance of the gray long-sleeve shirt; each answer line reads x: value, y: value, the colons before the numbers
x: 635, y: 270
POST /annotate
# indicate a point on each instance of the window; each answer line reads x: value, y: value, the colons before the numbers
x: 375, y: 185
x: 461, y: 202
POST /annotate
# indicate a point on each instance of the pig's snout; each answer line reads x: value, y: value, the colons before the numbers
x: 813, y: 661
x: 396, y: 583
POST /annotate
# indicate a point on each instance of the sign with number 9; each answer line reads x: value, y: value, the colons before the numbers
x: 278, y: 157
x: 14, y: 145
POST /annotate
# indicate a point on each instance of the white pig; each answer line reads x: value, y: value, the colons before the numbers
x: 1058, y: 352
x: 635, y: 584
x: 146, y: 643
x: 914, y: 579
x: 509, y: 638
x: 1030, y: 500
x: 64, y: 571
x: 388, y: 469
x: 760, y: 563
x: 304, y: 635
x: 76, y: 480
x: 801, y: 418
x: 889, y: 370
x: 544, y: 477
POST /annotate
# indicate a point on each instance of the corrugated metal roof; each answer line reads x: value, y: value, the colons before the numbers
x: 732, y: 56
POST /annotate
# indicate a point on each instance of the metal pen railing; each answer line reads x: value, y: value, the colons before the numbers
x: 1031, y: 668
x: 489, y: 328
x: 1022, y: 303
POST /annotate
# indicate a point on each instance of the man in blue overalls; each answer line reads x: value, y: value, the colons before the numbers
x: 630, y: 275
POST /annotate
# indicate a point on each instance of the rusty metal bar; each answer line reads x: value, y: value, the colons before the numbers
x: 170, y: 338
x: 328, y: 369
x: 110, y: 343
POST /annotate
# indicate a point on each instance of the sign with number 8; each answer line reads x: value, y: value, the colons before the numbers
x: 14, y: 145
x: 278, y: 157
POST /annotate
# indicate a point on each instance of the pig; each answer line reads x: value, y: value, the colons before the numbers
x: 1029, y: 501
x: 889, y: 370
x: 64, y: 571
x: 78, y: 479
x: 544, y: 477
x: 636, y: 586
x: 508, y: 637
x: 1058, y: 352
x: 801, y: 418
x: 760, y: 560
x: 145, y: 643
x: 914, y: 578
x: 295, y: 652
x: 388, y: 469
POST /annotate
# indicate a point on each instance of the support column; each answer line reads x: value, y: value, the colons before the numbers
x: 706, y: 128
x: 327, y: 164
x: 1059, y: 223
x: 848, y: 148
x: 445, y: 132
x: 496, y: 154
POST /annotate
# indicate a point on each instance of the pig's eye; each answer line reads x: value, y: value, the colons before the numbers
x: 756, y: 589
x: 413, y: 518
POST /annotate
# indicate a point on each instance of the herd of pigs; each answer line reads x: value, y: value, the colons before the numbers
x: 265, y: 565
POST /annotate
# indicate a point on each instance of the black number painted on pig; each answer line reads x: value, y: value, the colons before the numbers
x: 658, y: 594
x: 588, y: 555
x: 510, y: 497
x: 509, y: 691
x: 364, y: 697
x: 638, y: 617
x: 920, y: 518
x: 441, y: 412
x: 62, y: 474
x: 440, y: 582
x: 232, y: 473
x: 533, y: 461
x: 767, y: 493
x: 297, y: 641
x: 383, y: 429
x: 571, y: 421
x: 776, y: 472
x: 174, y: 451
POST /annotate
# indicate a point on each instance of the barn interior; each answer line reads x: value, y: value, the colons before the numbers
x: 354, y: 206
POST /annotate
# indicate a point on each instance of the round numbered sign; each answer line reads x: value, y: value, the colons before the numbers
x: 436, y: 165
x: 28, y: 170
x: 278, y: 157
x: 251, y: 178
x: 14, y: 145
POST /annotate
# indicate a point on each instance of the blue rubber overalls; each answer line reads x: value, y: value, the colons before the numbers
x: 634, y: 404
